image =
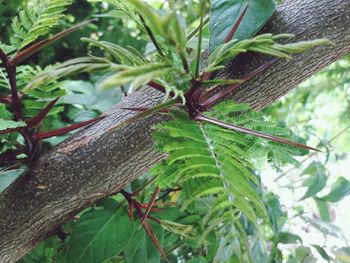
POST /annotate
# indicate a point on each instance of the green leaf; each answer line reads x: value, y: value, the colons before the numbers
x: 9, y: 124
x: 323, y: 209
x: 316, y: 181
x: 37, y: 21
x: 265, y: 43
x: 69, y: 67
x: 141, y: 248
x: 274, y: 210
x: 4, y: 113
x: 46, y: 251
x: 288, y: 238
x: 322, y: 252
x: 224, y: 14
x: 99, y: 235
x: 137, y: 75
x: 7, y: 48
x: 339, y: 190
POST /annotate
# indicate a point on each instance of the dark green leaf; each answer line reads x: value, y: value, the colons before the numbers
x: 99, y: 235
x: 274, y: 211
x: 141, y: 247
x: 44, y: 252
x: 288, y: 238
x: 224, y: 14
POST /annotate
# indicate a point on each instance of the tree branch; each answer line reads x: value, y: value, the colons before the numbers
x: 97, y: 161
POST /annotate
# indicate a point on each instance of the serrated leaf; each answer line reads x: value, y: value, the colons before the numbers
x: 224, y: 13
x: 37, y: 20
x: 99, y: 235
x: 137, y: 76
x: 9, y: 124
x: 339, y: 190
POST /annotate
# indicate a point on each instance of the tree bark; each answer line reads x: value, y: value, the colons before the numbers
x: 98, y: 161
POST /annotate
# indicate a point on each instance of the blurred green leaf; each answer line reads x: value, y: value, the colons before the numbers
x: 141, y: 248
x: 8, y: 124
x: 322, y: 252
x: 339, y: 190
x: 323, y: 209
x: 316, y: 181
x: 45, y: 252
x: 343, y: 255
x: 288, y: 238
x: 325, y: 227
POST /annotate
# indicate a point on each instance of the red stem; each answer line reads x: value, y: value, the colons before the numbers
x: 45, y: 135
x: 236, y: 25
x: 151, y: 202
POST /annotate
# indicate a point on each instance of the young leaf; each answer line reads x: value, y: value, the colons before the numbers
x: 99, y: 235
x: 70, y: 67
x: 138, y: 75
x: 224, y: 14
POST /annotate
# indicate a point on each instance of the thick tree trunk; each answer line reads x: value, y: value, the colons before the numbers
x: 98, y: 161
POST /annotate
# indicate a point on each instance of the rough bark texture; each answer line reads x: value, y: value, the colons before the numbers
x: 98, y: 162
